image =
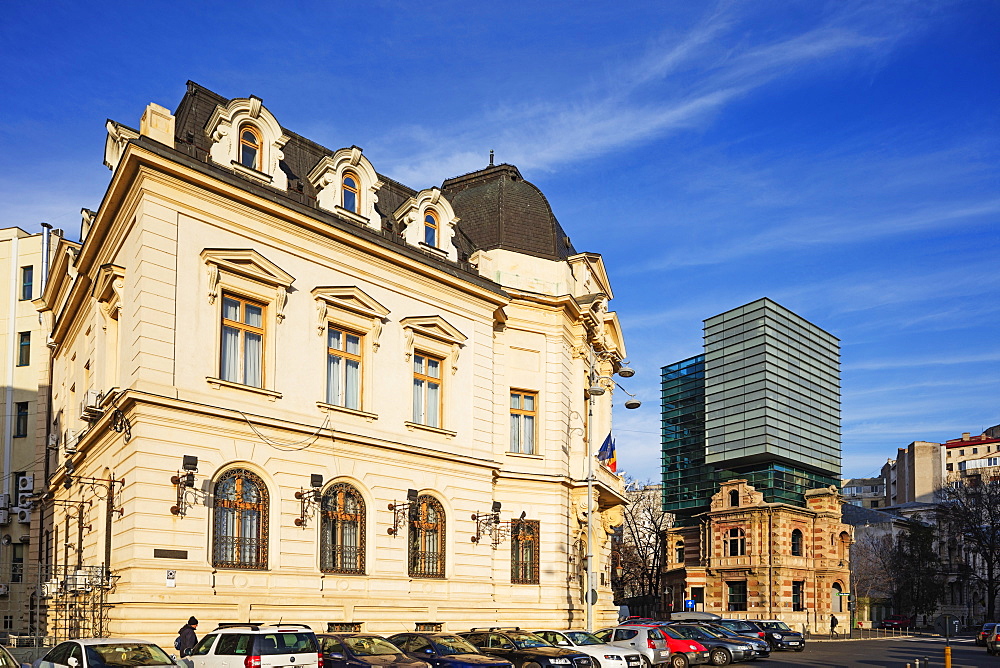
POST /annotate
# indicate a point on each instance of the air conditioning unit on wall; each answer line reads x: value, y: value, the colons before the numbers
x: 4, y: 516
x: 4, y: 500
x: 24, y: 500
x: 4, y: 589
x: 90, y: 407
x: 24, y: 516
x: 26, y: 483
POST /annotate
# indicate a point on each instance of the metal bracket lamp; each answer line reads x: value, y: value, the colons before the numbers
x: 182, y: 481
x: 400, y: 511
x: 308, y: 496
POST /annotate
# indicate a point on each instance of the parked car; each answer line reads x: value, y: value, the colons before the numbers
x: 993, y: 642
x: 649, y: 641
x: 984, y: 633
x: 524, y: 649
x: 604, y: 656
x: 721, y: 650
x: 744, y: 627
x: 760, y: 647
x: 257, y: 646
x: 7, y: 660
x: 445, y: 650
x: 779, y: 636
x: 692, y: 650
x: 363, y: 650
x: 104, y: 653
x: 898, y: 622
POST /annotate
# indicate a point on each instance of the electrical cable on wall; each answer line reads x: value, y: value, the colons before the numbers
x: 287, y: 447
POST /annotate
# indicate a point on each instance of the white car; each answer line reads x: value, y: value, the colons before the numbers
x: 604, y: 656
x: 104, y: 653
x: 256, y: 646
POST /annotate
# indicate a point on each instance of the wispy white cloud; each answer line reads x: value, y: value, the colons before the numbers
x: 676, y: 84
x: 935, y: 359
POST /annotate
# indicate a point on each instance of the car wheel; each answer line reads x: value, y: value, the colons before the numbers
x: 594, y: 662
x: 773, y: 646
x: 646, y: 663
x: 719, y: 657
x: 530, y: 664
x: 678, y: 661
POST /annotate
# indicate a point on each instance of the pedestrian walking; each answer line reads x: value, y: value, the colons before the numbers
x: 186, y: 637
x: 833, y: 625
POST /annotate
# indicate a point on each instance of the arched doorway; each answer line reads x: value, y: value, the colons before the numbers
x: 836, y: 600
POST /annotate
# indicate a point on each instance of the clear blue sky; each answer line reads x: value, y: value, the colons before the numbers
x: 838, y: 157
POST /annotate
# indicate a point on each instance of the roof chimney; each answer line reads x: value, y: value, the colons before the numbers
x: 157, y: 123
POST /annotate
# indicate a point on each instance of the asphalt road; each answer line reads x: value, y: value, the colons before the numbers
x: 890, y: 653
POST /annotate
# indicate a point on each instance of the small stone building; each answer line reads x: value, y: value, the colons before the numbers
x: 749, y: 559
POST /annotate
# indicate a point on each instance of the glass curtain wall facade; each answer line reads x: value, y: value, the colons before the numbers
x: 762, y: 403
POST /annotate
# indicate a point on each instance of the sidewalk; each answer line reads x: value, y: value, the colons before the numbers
x: 878, y: 634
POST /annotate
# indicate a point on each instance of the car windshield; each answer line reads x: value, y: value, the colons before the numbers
x: 775, y: 626
x: 723, y: 631
x: 671, y: 633
x: 583, y: 638
x: 369, y: 646
x: 6, y: 660
x: 524, y: 640
x: 126, y: 654
x: 987, y: 627
x: 446, y: 645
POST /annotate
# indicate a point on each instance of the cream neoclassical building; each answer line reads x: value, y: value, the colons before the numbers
x: 284, y: 384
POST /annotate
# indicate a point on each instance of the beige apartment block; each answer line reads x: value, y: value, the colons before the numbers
x: 369, y: 376
x: 24, y: 367
x: 748, y: 559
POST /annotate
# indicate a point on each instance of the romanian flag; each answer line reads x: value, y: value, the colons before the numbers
x: 607, y: 453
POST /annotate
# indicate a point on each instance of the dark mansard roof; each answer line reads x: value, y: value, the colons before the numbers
x: 496, y: 207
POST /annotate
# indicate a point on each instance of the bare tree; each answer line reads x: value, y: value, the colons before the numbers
x: 640, y: 551
x: 970, y: 512
x: 871, y: 569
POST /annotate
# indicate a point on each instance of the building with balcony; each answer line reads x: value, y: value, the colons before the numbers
x: 277, y: 370
x: 752, y: 559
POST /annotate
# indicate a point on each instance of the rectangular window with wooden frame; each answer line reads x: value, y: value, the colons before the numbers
x: 524, y: 551
x: 20, y: 419
x: 427, y: 390
x: 23, y: 348
x: 523, y: 417
x: 27, y: 282
x: 241, y: 357
x: 343, y: 368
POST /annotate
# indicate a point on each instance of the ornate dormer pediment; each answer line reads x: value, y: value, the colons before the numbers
x: 227, y: 124
x: 351, y: 304
x: 246, y: 264
x: 734, y: 494
x: 328, y: 177
x: 114, y: 145
x: 436, y: 334
x: 412, y: 214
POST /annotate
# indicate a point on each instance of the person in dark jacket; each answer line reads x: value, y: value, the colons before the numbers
x: 186, y: 637
x: 833, y: 625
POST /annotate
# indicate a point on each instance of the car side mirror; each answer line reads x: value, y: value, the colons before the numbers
x: 335, y: 655
x: 73, y: 662
x: 428, y: 651
x: 188, y: 652
x: 506, y: 647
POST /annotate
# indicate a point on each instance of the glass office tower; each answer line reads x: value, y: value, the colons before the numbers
x: 770, y: 409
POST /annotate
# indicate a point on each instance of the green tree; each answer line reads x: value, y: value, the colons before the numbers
x: 918, y: 581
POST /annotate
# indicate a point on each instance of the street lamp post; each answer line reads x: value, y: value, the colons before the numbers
x: 596, y: 389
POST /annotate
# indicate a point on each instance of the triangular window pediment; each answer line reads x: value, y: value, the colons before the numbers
x: 249, y: 264
x: 434, y: 326
x: 351, y: 298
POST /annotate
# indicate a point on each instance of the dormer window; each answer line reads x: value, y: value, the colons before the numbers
x: 351, y: 192
x: 250, y: 147
x: 431, y: 228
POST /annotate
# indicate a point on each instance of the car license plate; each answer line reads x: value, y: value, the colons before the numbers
x: 794, y: 642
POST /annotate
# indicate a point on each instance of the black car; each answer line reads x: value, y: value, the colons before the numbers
x: 779, y: 636
x: 363, y: 650
x: 446, y: 650
x: 721, y: 650
x: 760, y: 647
x: 525, y: 650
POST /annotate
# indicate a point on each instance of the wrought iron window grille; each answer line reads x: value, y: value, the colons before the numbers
x: 342, y: 530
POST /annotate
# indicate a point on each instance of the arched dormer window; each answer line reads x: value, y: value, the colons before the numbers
x: 431, y: 228
x: 796, y: 543
x: 250, y: 147
x: 734, y: 498
x: 351, y: 196
x: 736, y: 543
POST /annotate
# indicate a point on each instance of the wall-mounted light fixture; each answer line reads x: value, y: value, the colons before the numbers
x: 308, y: 496
x: 490, y: 524
x: 400, y: 511
x: 182, y: 481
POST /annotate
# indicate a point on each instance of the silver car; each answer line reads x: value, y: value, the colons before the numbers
x: 105, y: 653
x: 604, y: 656
x: 647, y: 640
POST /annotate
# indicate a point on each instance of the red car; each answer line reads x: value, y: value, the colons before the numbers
x: 695, y: 653
x: 898, y: 622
